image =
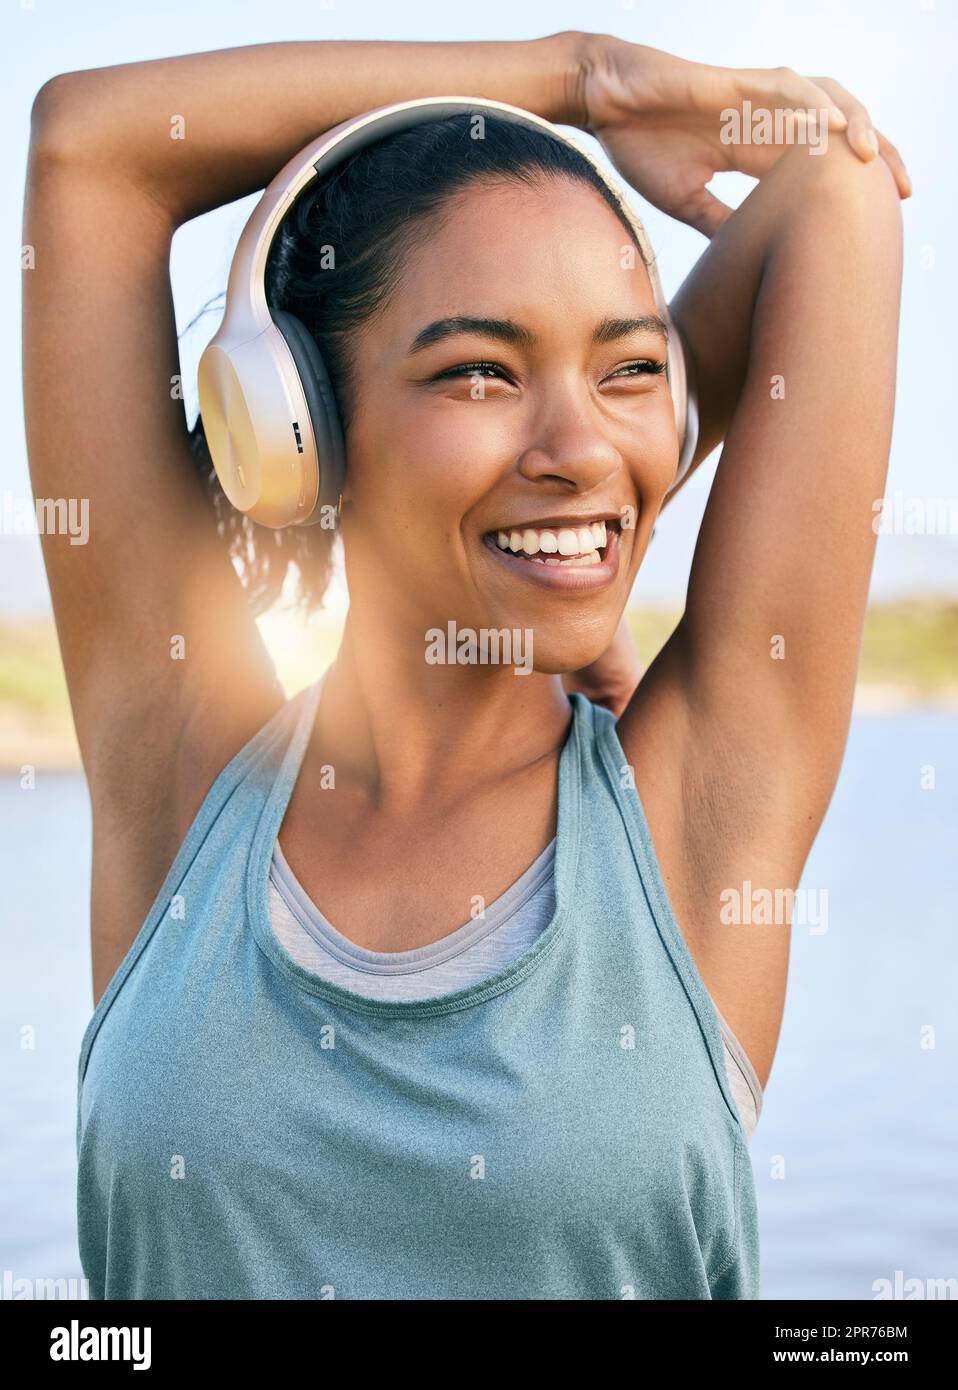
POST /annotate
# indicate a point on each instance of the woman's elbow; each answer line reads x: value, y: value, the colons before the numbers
x: 55, y: 118
x: 834, y: 176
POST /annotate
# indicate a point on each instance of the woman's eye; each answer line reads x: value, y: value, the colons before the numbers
x: 471, y: 369
x: 645, y: 367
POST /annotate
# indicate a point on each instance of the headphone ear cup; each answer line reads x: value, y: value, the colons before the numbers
x: 682, y: 382
x: 322, y: 407
x: 682, y: 369
x: 679, y: 366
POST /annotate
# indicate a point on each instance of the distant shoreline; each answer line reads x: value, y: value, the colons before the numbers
x: 887, y: 699
x: 908, y: 663
x: 39, y: 739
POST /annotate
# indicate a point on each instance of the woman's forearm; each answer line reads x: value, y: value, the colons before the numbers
x: 204, y: 129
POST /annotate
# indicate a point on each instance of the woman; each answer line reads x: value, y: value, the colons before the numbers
x: 420, y: 984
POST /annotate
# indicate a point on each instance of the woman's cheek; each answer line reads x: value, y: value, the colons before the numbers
x: 654, y: 459
x: 462, y: 458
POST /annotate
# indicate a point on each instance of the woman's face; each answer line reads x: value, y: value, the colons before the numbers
x: 545, y: 423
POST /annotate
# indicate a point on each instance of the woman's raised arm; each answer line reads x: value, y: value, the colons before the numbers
x: 203, y: 129
x: 739, y: 726
x: 165, y: 668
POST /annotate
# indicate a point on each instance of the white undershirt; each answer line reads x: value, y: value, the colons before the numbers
x: 476, y: 950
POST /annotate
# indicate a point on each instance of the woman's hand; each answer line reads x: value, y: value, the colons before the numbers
x: 661, y: 120
x: 612, y: 679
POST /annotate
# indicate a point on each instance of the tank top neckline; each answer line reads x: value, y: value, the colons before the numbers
x: 466, y: 937
x: 567, y: 845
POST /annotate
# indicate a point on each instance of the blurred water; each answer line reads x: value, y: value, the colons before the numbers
x: 856, y: 1152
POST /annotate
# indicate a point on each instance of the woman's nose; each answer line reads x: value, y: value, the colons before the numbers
x: 568, y: 445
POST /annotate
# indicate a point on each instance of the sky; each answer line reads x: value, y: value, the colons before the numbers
x: 898, y: 56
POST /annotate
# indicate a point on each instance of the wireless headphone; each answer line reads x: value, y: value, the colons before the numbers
x: 267, y: 403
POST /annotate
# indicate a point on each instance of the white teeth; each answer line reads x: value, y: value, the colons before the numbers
x: 580, y: 545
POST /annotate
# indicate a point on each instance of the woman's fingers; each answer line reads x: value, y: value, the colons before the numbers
x: 865, y: 140
x: 782, y: 87
x: 845, y: 112
x: 702, y: 210
x: 897, y: 165
x: 860, y: 133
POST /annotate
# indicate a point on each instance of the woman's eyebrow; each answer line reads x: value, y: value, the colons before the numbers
x: 610, y: 329
x: 508, y: 331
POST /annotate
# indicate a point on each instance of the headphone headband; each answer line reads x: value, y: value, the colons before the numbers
x: 266, y: 400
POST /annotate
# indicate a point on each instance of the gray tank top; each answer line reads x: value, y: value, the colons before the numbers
x: 468, y: 955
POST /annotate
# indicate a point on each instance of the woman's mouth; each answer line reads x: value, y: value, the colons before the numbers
x: 578, y: 555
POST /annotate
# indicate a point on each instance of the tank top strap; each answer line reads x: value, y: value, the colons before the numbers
x: 298, y: 728
x: 265, y: 766
x: 273, y: 749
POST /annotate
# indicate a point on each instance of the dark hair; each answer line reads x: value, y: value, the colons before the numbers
x: 370, y: 211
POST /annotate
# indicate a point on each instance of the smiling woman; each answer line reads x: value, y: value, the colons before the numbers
x: 370, y: 234
x: 526, y: 1060
x: 437, y: 425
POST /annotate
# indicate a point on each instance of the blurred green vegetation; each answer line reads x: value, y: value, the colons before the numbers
x: 911, y: 647
x: 912, y: 644
x: 651, y: 628
x: 31, y: 673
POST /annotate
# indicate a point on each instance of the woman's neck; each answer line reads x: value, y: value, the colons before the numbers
x: 417, y: 729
